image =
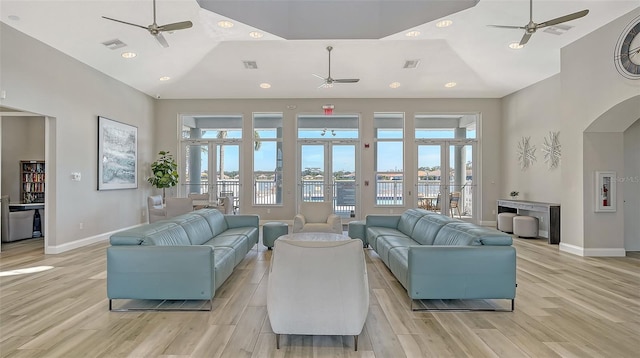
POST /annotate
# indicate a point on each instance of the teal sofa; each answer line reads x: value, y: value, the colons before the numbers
x: 183, y: 258
x: 437, y: 257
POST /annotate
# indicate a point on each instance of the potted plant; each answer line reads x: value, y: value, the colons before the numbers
x: 165, y: 172
x: 514, y: 194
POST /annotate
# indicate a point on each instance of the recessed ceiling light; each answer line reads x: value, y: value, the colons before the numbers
x: 265, y: 85
x: 412, y: 34
x: 515, y: 45
x: 165, y: 78
x: 225, y: 24
x: 450, y: 84
x: 129, y: 54
x: 444, y: 23
x: 255, y: 34
x: 14, y: 17
x: 394, y: 84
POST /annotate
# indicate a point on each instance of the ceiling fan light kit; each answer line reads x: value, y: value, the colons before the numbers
x: 531, y: 27
x: 156, y: 30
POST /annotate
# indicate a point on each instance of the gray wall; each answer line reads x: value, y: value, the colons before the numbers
x: 40, y: 79
x: 22, y: 139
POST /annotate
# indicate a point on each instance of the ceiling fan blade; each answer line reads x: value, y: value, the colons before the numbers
x: 525, y: 38
x: 346, y: 80
x: 161, y: 40
x: 176, y: 26
x: 561, y: 19
x: 126, y: 23
x: 508, y: 27
x: 320, y: 77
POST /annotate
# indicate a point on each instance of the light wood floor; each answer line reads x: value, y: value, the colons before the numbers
x: 566, y: 306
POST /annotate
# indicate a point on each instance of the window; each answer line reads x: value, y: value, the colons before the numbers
x: 389, y: 158
x: 267, y: 158
x: 446, y: 126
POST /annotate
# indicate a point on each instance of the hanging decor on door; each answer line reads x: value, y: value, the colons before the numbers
x: 552, y: 150
x: 526, y: 153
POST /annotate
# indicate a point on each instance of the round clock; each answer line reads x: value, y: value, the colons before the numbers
x: 627, y: 53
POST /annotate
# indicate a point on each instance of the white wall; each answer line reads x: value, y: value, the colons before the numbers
x: 168, y: 112
x: 22, y: 139
x: 532, y: 112
x: 591, y: 86
x: 40, y: 79
x: 631, y: 183
x: 587, y: 96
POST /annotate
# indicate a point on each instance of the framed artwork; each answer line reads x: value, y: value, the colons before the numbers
x: 117, y: 155
x: 605, y: 192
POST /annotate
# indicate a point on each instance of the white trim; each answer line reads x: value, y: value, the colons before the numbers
x: 83, y: 242
x: 596, y: 252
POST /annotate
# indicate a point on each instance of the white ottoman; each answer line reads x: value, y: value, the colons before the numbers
x: 525, y: 226
x: 505, y: 221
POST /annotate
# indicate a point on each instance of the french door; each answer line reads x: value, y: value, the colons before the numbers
x: 328, y: 172
x: 212, y: 169
x: 446, y: 182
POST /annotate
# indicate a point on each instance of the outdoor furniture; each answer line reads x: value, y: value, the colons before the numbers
x: 454, y: 203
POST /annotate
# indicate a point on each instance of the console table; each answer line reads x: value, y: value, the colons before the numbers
x: 550, y: 212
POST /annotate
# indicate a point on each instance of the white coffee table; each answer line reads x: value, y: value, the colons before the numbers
x: 315, y: 236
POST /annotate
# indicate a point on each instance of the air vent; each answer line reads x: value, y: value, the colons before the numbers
x: 250, y: 65
x: 557, y: 29
x: 411, y: 63
x: 114, y: 44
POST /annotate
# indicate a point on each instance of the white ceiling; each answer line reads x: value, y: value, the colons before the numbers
x: 206, y: 61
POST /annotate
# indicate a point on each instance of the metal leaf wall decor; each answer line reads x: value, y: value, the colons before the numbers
x: 552, y: 150
x: 526, y: 153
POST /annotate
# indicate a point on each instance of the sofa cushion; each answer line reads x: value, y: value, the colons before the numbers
x: 428, y: 227
x: 376, y: 231
x: 387, y: 243
x: 170, y: 236
x: 399, y: 264
x: 455, y: 235
x: 239, y: 244
x: 408, y: 221
x: 223, y: 263
x: 483, y: 235
x: 215, y: 219
x: 196, y: 227
x: 134, y: 236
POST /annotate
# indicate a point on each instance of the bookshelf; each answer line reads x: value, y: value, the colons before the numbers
x: 32, y: 181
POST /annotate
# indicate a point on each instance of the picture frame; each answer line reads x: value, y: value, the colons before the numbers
x: 117, y: 155
x: 605, y: 191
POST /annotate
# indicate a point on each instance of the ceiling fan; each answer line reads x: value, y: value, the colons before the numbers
x: 156, y: 30
x: 329, y: 81
x: 532, y: 27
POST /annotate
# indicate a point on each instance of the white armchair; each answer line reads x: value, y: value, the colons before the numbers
x: 155, y: 208
x: 318, y: 288
x: 317, y: 217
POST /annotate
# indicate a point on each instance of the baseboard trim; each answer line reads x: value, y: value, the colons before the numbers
x: 58, y: 249
x: 596, y: 252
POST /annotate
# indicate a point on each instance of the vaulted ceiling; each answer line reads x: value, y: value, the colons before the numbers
x: 209, y: 61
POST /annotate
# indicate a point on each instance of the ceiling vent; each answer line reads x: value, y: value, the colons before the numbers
x: 250, y: 65
x: 557, y: 29
x: 411, y: 63
x: 114, y: 44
